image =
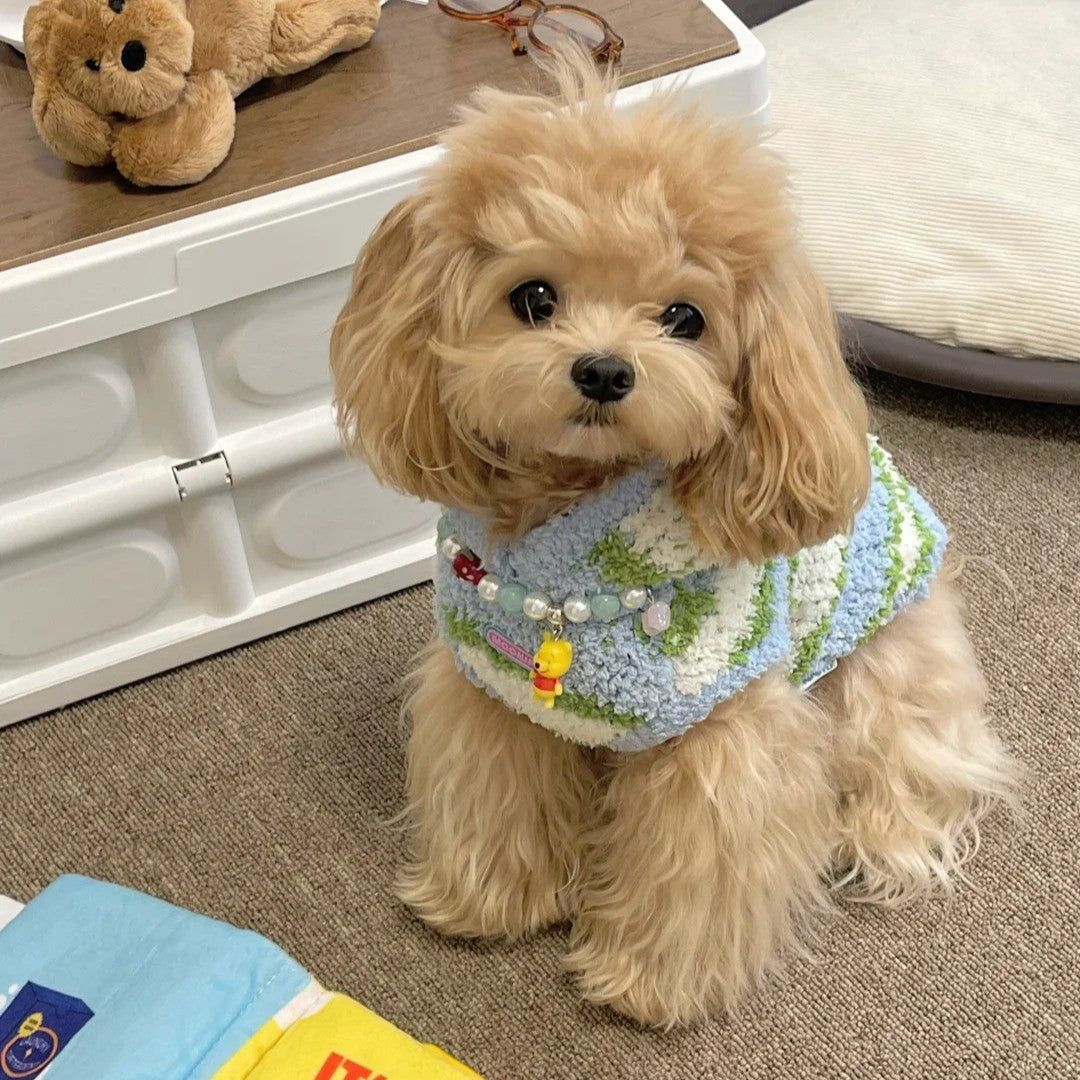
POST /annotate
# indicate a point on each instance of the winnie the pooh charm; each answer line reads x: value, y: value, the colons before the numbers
x: 551, y: 662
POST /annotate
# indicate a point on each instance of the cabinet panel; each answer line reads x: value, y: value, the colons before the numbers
x: 85, y: 594
x: 324, y: 517
x: 67, y: 417
x: 268, y: 355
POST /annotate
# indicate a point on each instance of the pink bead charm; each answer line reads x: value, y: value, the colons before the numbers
x: 656, y: 618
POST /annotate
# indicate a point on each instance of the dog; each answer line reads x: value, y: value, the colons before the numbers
x: 593, y: 336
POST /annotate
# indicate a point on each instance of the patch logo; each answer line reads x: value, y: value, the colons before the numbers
x: 35, y: 1027
x: 510, y: 649
x: 31, y: 1048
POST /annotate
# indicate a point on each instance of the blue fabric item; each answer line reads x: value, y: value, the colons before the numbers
x: 174, y: 994
x: 730, y: 624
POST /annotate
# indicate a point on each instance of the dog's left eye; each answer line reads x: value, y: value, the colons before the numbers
x: 683, y: 321
x: 533, y: 301
x: 117, y: 5
x: 93, y: 65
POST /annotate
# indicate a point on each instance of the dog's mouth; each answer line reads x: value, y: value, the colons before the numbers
x: 596, y: 416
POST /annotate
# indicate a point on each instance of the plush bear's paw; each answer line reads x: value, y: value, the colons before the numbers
x: 184, y: 144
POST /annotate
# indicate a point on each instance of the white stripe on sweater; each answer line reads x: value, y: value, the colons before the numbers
x: 720, y: 632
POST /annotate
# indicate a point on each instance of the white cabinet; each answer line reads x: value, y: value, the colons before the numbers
x: 165, y: 493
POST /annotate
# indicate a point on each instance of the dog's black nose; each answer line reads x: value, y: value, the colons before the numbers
x: 602, y: 378
x: 134, y: 56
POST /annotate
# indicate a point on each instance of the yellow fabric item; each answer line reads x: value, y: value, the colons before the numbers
x: 341, y: 1041
x: 241, y: 1064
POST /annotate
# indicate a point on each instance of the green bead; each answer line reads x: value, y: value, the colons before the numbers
x: 605, y: 605
x: 444, y: 528
x: 511, y: 597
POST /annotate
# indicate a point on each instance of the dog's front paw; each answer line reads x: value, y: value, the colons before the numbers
x: 654, y: 987
x: 481, y: 901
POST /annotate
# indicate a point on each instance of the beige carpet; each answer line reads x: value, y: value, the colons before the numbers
x: 255, y: 787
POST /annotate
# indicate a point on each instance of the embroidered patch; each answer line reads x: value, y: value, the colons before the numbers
x: 35, y: 1027
x: 510, y: 649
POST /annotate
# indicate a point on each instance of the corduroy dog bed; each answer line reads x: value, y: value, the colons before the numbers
x: 936, y: 168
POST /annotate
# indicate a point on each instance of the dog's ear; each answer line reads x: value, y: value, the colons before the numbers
x: 796, y: 467
x: 386, y: 388
x: 67, y: 126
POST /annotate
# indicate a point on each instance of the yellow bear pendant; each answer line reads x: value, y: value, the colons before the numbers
x: 551, y: 662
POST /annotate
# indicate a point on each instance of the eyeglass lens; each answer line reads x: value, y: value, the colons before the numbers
x: 553, y: 27
x: 477, y: 7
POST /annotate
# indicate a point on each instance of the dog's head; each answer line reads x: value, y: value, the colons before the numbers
x: 578, y: 287
x: 92, y: 59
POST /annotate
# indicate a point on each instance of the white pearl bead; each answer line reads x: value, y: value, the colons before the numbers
x: 451, y: 547
x: 634, y: 598
x: 536, y: 605
x: 488, y: 588
x: 576, y: 608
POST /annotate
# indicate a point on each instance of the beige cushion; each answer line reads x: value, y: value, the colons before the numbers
x: 935, y: 155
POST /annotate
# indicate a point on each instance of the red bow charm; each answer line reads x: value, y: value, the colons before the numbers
x: 467, y: 567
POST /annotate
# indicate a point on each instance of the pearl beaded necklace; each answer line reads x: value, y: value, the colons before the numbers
x: 513, y: 597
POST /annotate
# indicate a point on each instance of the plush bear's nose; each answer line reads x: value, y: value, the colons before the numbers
x: 134, y: 56
x: 602, y: 378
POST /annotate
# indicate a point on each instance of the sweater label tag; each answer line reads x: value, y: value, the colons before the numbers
x: 510, y: 649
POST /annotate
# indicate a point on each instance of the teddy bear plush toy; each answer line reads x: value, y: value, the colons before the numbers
x: 149, y: 84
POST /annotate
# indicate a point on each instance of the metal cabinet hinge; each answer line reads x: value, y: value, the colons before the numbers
x: 202, y: 476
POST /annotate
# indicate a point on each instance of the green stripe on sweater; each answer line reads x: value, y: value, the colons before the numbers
x: 589, y: 706
x: 894, y: 571
x: 464, y: 630
x: 689, y: 609
x: 927, y: 540
x: 623, y: 566
x: 760, y: 619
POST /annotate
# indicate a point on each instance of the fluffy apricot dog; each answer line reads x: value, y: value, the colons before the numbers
x: 591, y: 335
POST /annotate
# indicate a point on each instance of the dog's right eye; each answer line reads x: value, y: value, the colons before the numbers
x: 533, y: 301
x: 93, y: 65
x: 683, y: 320
x: 117, y: 5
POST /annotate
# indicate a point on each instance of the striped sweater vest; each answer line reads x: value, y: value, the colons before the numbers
x: 729, y: 623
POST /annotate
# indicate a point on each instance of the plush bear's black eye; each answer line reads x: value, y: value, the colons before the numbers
x: 93, y: 65
x: 117, y: 5
x: 683, y: 321
x: 533, y: 301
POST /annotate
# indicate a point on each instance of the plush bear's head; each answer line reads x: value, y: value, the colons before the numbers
x: 92, y: 60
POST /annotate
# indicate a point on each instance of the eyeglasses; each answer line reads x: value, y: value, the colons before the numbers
x: 545, y: 25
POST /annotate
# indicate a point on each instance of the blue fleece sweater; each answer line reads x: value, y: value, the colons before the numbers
x: 729, y: 623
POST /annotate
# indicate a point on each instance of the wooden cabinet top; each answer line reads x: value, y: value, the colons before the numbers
x: 394, y: 95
